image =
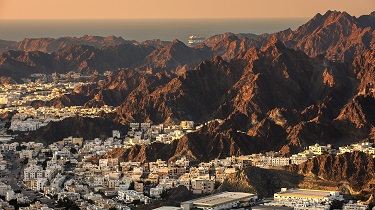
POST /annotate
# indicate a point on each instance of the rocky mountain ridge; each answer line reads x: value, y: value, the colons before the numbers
x: 269, y: 94
x: 49, y: 45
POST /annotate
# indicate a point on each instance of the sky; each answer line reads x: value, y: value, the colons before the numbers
x: 172, y: 9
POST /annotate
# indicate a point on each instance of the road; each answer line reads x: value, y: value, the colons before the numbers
x: 15, y: 170
x: 15, y: 176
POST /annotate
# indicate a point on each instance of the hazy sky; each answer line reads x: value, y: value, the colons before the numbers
x: 128, y: 9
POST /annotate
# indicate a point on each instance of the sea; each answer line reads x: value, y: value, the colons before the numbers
x: 143, y: 29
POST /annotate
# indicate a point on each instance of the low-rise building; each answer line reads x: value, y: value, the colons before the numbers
x: 200, y: 186
x: 305, y: 196
x: 224, y: 200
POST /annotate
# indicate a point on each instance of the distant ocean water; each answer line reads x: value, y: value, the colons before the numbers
x: 142, y: 29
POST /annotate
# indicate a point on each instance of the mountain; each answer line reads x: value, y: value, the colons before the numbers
x: 78, y: 58
x: 263, y: 182
x: 125, y: 85
x: 273, y: 98
x: 272, y: 92
x: 172, y: 101
x: 87, y: 128
x: 19, y: 64
x: 49, y: 45
x: 228, y: 45
x: 6, y: 45
x: 364, y: 70
x: 176, y: 56
x: 355, y: 169
x: 351, y: 173
x: 336, y: 35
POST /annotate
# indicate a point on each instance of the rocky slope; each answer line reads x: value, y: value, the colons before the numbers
x: 336, y: 35
x: 173, y: 101
x: 273, y: 98
x: 263, y: 182
x: 350, y: 173
x: 6, y: 45
x: 79, y: 58
x: 228, y: 45
x: 87, y: 128
x: 355, y: 170
x: 176, y: 56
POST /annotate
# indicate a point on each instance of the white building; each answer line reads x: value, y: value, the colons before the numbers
x: 224, y: 200
x: 319, y: 150
x: 187, y: 125
x: 26, y: 154
x: 156, y: 192
x: 4, y: 188
x: 313, y: 197
x: 354, y: 206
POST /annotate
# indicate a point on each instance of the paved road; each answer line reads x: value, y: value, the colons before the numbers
x: 12, y: 176
x: 15, y: 176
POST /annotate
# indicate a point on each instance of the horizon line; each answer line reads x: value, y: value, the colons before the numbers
x: 210, y: 18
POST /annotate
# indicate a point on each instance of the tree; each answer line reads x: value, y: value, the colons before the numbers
x: 7, y: 125
x: 217, y: 184
x: 131, y: 187
x: 164, y: 194
x: 48, y: 154
x: 73, y: 150
x: 25, y: 161
x: 20, y: 148
x: 44, y: 164
x: 336, y: 204
x: 68, y: 204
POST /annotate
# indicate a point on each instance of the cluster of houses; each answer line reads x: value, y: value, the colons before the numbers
x: 28, y: 118
x: 145, y: 133
x: 55, y: 77
x: 77, y: 169
x: 21, y: 94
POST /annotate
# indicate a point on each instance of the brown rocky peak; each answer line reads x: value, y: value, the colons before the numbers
x: 176, y: 42
x: 318, y: 16
x: 217, y: 59
x: 336, y: 16
x: 274, y: 45
x: 215, y: 40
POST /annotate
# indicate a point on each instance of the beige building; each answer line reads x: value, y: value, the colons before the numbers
x: 200, y: 186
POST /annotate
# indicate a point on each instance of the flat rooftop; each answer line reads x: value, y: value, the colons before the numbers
x: 221, y: 198
x: 168, y: 208
x: 305, y: 193
x: 271, y: 208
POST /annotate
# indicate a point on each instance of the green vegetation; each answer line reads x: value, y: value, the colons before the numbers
x: 336, y: 204
x: 67, y: 204
x: 73, y: 150
x: 17, y: 205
